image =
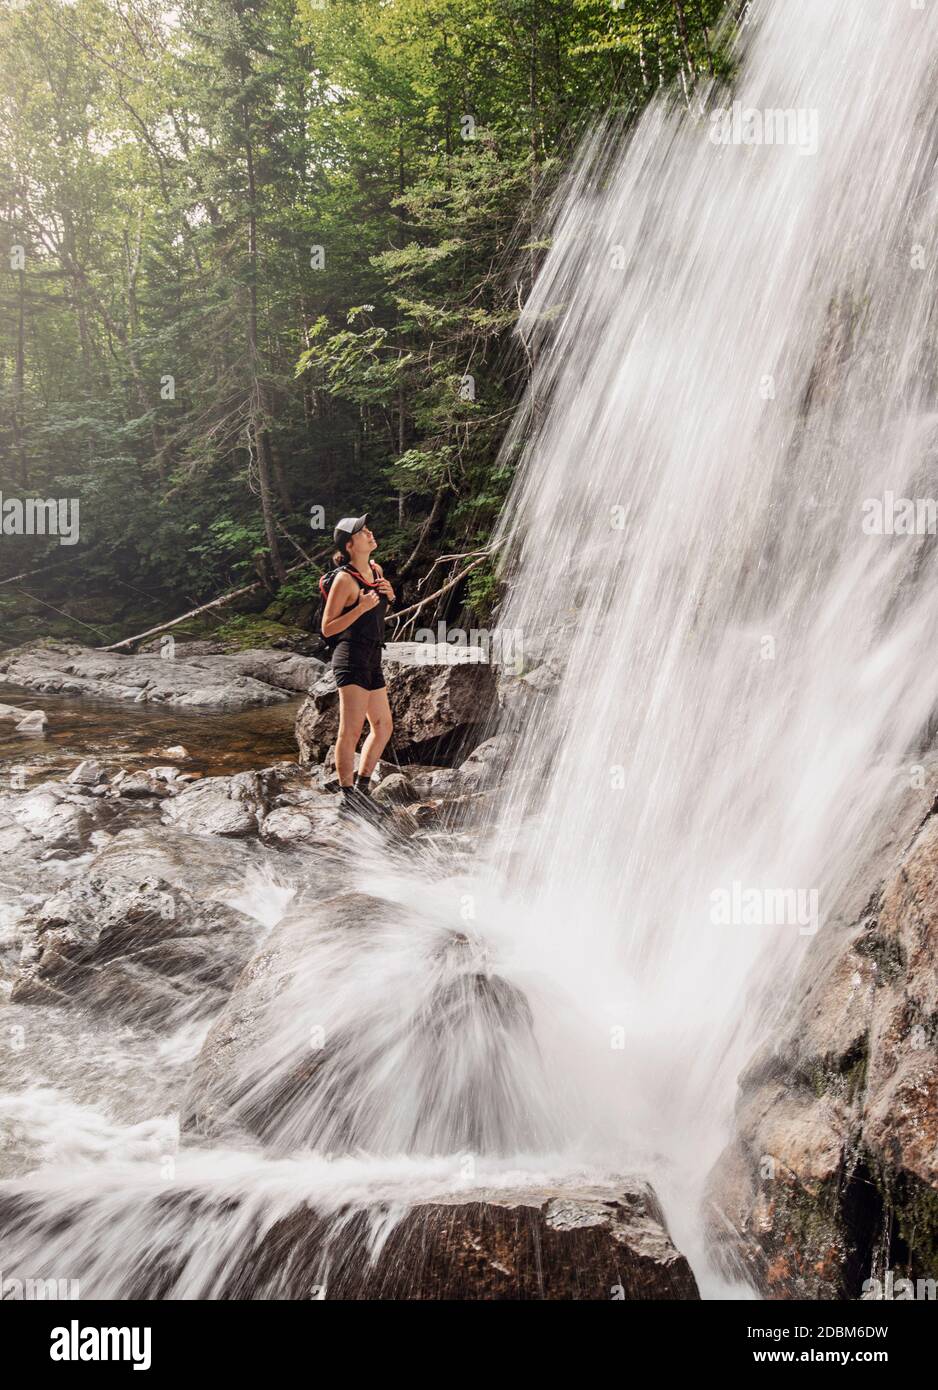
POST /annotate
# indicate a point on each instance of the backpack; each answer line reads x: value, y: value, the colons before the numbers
x: 326, y: 581
x: 327, y: 644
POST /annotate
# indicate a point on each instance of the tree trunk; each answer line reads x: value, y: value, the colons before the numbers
x: 259, y: 401
x: 19, y: 379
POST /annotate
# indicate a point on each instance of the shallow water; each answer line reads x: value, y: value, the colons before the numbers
x: 132, y: 735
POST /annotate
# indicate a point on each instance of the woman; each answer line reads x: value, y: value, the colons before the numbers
x: 353, y: 619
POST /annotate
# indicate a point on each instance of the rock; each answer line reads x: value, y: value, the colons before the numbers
x: 437, y: 708
x: 139, y: 947
x: 26, y: 721
x: 184, y: 651
x: 319, y: 826
x: 32, y: 723
x: 220, y: 805
x: 553, y: 1243
x: 833, y: 1167
x: 12, y: 714
x: 54, y: 822
x: 286, y: 1064
x: 177, y: 752
x: 142, y: 784
x: 61, y: 667
x: 486, y: 764
x: 235, y: 1085
x: 395, y: 790
x: 284, y: 670
x: 88, y: 773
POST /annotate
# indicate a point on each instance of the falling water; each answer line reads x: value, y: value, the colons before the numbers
x: 734, y: 347
x: 733, y: 355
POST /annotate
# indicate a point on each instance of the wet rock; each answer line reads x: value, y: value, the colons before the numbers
x: 236, y: 1085
x: 141, y: 948
x: 12, y: 714
x: 319, y: 826
x: 395, y: 789
x: 284, y: 670
x: 88, y: 773
x: 285, y: 1063
x: 56, y: 818
x: 487, y: 763
x: 833, y: 1167
x: 33, y: 723
x: 25, y: 721
x: 437, y: 707
x: 559, y: 1243
x: 551, y: 1243
x: 220, y: 805
x: 61, y: 667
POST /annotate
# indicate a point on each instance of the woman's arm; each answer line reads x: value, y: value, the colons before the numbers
x: 343, y: 589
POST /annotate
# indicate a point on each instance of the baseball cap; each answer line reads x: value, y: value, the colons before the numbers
x: 348, y: 526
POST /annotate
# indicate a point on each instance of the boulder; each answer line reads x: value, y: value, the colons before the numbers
x: 832, y: 1171
x: 284, y: 670
x: 549, y: 1243
x: 25, y: 721
x: 558, y: 1243
x: 220, y: 805
x: 65, y: 668
x: 89, y: 773
x: 139, y: 937
x: 437, y: 708
x: 300, y: 1056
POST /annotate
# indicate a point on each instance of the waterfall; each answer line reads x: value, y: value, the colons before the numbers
x: 735, y: 385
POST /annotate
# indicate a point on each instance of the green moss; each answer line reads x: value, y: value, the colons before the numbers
x: 245, y: 630
x: 885, y: 951
x: 811, y: 1240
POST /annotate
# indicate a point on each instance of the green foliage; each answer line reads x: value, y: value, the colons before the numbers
x: 176, y: 352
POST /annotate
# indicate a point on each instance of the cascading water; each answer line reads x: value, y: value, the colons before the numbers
x: 732, y: 346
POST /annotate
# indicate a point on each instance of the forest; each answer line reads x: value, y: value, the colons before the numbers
x: 262, y: 266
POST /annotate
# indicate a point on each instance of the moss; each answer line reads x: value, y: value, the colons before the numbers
x: 807, y: 1254
x: 246, y: 630
x: 884, y: 951
x: 844, y: 1074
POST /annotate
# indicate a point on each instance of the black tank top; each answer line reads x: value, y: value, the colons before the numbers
x: 368, y: 630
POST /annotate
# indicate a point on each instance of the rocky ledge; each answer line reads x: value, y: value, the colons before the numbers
x: 440, y: 706
x: 832, y: 1175
x: 197, y: 681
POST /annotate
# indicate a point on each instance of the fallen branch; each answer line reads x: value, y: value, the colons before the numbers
x: 205, y: 607
x: 416, y: 607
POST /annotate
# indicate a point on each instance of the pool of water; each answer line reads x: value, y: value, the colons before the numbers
x: 137, y: 735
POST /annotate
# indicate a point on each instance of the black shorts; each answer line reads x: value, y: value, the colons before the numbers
x: 353, y: 664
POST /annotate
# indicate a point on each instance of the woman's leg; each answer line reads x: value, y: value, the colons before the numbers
x: 353, y: 706
x: 379, y: 717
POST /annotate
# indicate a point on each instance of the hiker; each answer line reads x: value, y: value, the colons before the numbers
x: 357, y: 596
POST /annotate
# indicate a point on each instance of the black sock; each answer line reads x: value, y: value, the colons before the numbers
x: 363, y: 784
